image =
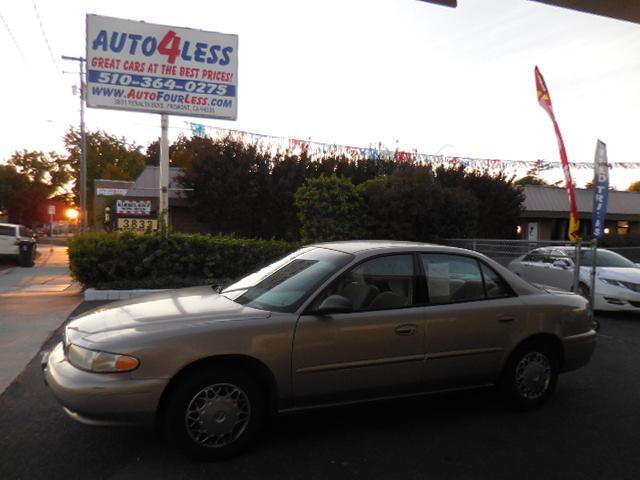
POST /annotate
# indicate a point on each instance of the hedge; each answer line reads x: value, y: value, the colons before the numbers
x: 127, y: 260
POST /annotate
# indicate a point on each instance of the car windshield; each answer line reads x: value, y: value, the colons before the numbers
x: 285, y: 284
x: 604, y: 258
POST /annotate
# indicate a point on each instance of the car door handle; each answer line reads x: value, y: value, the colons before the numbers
x: 408, y: 329
x: 506, y: 318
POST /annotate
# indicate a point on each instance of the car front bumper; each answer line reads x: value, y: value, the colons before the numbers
x: 101, y: 398
x: 617, y: 301
x: 578, y: 350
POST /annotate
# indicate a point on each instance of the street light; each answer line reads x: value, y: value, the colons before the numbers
x: 72, y: 214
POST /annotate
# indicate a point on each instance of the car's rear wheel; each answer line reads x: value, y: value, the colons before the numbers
x: 215, y: 413
x: 530, y: 375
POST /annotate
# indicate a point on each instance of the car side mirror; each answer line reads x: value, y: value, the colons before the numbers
x: 561, y: 264
x: 334, y: 304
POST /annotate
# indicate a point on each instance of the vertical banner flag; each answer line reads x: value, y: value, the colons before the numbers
x: 544, y: 99
x: 600, y: 190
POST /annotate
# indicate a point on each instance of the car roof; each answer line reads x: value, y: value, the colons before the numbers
x: 10, y: 225
x: 359, y: 246
x: 568, y: 248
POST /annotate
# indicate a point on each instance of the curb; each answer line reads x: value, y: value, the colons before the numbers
x: 91, y: 294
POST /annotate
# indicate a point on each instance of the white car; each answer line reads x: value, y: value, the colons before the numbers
x: 19, y: 242
x: 617, y: 278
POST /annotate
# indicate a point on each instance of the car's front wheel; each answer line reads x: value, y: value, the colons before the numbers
x: 530, y: 375
x: 215, y: 413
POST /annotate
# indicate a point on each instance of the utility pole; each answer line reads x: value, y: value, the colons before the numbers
x: 83, y: 145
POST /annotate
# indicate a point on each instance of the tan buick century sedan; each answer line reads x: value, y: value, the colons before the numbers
x: 330, y: 323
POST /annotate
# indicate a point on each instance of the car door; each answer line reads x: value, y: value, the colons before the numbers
x: 535, y: 266
x: 472, y: 317
x: 560, y: 271
x: 8, y: 240
x: 375, y: 350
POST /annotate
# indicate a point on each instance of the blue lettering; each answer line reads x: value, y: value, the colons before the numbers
x: 201, y: 49
x: 114, y: 45
x: 149, y: 46
x: 100, y: 41
x: 214, y: 55
x: 135, y: 38
x: 185, y: 49
x: 226, y: 51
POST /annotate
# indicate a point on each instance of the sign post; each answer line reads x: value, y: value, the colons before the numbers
x: 163, y: 209
x: 51, y: 210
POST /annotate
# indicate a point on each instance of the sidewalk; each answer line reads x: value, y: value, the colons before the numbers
x: 34, y: 302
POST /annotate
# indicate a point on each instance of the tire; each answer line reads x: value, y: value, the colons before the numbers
x: 530, y: 376
x: 584, y: 291
x: 215, y: 413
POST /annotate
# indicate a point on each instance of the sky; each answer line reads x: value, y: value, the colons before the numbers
x: 408, y: 74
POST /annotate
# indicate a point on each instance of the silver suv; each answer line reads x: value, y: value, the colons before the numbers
x: 19, y: 242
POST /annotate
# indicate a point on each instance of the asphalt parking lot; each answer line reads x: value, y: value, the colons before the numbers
x: 590, y: 430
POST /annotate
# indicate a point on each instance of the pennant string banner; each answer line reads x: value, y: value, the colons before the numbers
x: 379, y: 152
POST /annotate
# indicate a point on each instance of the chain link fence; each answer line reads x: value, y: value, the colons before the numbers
x: 503, y: 251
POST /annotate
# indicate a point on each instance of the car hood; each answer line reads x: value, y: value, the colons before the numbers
x: 174, y: 306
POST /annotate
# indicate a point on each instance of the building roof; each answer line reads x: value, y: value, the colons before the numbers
x: 544, y: 201
x: 147, y: 183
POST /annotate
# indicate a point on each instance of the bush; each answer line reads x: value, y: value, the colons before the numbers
x: 410, y: 205
x: 126, y: 260
x: 329, y: 208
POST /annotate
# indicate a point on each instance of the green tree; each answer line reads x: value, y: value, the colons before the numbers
x: 230, y: 186
x: 499, y: 200
x: 178, y: 152
x: 634, y: 187
x: 329, y: 208
x: 108, y: 157
x: 530, y: 180
x: 13, y: 190
x: 412, y: 205
x: 29, y: 179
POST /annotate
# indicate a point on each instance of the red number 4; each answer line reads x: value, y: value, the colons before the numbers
x: 170, y: 46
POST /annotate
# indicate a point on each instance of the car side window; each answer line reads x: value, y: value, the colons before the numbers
x: 7, y: 231
x: 495, y: 286
x: 452, y: 278
x: 377, y: 284
x: 558, y: 255
x: 533, y: 257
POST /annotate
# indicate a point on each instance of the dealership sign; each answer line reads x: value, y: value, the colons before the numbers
x: 133, y: 207
x: 600, y: 190
x: 159, y: 69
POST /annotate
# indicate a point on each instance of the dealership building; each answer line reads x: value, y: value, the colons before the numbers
x: 546, y: 213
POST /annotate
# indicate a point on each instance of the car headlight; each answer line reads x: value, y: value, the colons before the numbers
x: 100, y: 362
x: 634, y: 287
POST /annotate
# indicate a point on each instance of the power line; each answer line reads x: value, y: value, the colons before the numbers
x: 46, y: 39
x: 15, y: 42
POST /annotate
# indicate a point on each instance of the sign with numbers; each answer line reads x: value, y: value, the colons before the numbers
x: 140, y: 225
x: 155, y: 68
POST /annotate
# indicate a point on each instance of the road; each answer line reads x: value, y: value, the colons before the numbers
x: 588, y: 431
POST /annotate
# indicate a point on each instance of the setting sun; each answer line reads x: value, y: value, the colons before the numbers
x: 71, y: 214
